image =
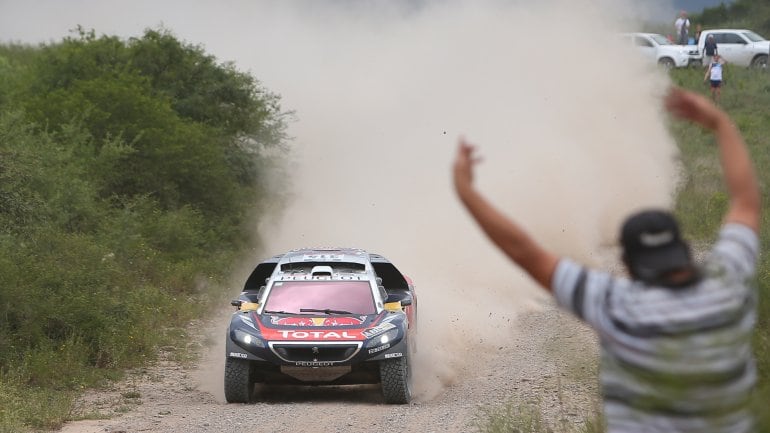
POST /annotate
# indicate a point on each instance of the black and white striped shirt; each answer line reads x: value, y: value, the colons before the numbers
x: 673, y: 360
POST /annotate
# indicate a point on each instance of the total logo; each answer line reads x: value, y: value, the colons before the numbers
x: 317, y: 335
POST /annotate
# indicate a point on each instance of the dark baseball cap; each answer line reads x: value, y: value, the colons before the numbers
x: 652, y: 244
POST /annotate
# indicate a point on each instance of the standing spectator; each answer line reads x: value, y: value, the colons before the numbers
x: 714, y: 74
x: 675, y: 337
x: 698, y: 30
x: 682, y: 27
x: 709, y: 50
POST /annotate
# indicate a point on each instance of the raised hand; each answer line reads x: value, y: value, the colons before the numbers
x: 694, y: 107
x: 463, y: 166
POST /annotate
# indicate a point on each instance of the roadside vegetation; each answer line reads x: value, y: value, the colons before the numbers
x: 740, y: 14
x: 130, y: 177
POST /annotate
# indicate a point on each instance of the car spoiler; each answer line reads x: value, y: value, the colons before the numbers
x: 392, y: 278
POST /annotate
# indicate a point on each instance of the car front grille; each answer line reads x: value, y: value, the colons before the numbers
x: 321, y: 352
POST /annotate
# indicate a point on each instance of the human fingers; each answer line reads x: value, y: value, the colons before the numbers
x: 691, y: 106
x: 464, y: 161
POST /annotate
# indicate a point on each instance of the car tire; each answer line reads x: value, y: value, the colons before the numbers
x: 395, y: 375
x: 239, y: 381
x: 666, y: 63
x: 759, y: 62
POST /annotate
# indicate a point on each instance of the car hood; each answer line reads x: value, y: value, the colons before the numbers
x: 675, y: 49
x: 303, y: 327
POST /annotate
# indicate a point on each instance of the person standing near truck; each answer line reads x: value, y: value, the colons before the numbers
x: 682, y: 27
x: 698, y: 30
x: 709, y: 50
x: 714, y: 74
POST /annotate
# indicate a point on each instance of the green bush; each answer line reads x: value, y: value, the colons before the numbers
x: 122, y: 206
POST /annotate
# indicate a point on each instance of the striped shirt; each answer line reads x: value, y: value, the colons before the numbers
x: 673, y: 360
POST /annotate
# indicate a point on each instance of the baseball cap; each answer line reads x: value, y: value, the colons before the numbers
x: 652, y: 244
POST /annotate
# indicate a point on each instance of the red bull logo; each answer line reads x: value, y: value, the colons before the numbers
x: 315, y: 321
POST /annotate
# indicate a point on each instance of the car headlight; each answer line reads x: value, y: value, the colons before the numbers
x: 381, y: 339
x: 247, y: 339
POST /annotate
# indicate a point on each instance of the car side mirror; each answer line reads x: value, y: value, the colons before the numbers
x: 236, y: 303
x: 405, y: 302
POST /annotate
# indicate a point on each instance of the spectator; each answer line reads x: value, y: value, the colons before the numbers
x: 698, y: 30
x: 715, y: 75
x: 675, y: 337
x: 682, y: 27
x: 709, y: 50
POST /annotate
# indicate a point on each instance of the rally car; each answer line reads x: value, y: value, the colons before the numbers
x: 322, y: 317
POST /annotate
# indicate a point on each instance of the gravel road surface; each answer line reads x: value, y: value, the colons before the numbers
x: 549, y: 360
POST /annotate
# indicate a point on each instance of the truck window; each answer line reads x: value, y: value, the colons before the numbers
x: 732, y: 38
x: 642, y: 42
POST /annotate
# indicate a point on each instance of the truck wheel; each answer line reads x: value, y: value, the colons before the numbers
x: 666, y: 63
x: 239, y: 380
x: 759, y: 62
x: 395, y: 375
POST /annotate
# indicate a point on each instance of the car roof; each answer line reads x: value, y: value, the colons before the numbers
x: 727, y: 30
x: 340, y: 259
x: 345, y: 255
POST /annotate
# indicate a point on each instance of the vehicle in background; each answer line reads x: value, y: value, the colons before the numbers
x: 738, y: 46
x: 657, y: 48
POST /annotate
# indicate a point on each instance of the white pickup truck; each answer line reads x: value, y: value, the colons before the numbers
x: 737, y: 46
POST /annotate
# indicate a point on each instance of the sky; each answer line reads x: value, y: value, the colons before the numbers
x: 567, y: 118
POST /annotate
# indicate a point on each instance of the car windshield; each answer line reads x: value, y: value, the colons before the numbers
x: 660, y: 40
x: 753, y: 37
x: 292, y: 296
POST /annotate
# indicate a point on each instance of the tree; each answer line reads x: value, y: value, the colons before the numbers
x: 193, y: 130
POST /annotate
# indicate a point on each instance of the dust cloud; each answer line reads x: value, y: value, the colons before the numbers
x: 567, y: 118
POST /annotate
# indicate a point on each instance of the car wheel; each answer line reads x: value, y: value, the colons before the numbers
x: 239, y: 380
x: 395, y: 375
x: 759, y: 62
x: 666, y: 63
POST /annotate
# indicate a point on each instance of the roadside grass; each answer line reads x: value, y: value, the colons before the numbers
x: 516, y: 417
x: 36, y: 397
x: 701, y: 204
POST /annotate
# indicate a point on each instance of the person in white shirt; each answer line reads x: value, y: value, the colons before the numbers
x: 675, y: 335
x: 682, y: 27
x: 714, y: 73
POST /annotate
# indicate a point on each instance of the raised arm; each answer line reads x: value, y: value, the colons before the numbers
x: 502, y: 231
x: 741, y: 181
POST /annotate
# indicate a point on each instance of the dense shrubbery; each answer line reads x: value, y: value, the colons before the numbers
x: 127, y: 172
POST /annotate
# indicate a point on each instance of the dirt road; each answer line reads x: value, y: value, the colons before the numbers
x: 549, y: 360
